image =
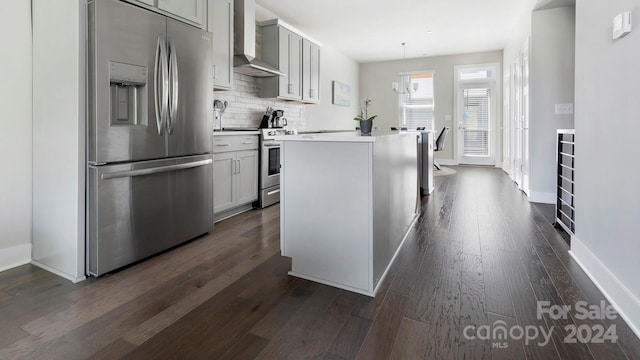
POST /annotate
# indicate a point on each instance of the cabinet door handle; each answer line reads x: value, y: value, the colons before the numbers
x: 248, y: 143
x: 290, y: 89
x: 223, y: 144
x: 215, y: 72
x: 238, y: 166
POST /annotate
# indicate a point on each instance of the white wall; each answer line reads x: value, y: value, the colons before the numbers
x: 375, y: 83
x: 607, y: 172
x: 552, y: 82
x: 15, y: 133
x: 59, y: 136
x: 334, y: 66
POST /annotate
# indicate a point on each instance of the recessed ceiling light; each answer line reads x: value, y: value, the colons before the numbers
x: 429, y: 32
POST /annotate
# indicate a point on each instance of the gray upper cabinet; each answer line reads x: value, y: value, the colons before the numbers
x: 282, y: 48
x: 220, y: 23
x: 190, y: 11
x: 293, y: 54
x: 310, y: 71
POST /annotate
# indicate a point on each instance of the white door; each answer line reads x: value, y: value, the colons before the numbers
x: 476, y: 108
x: 506, y: 124
x: 517, y: 124
x: 524, y: 141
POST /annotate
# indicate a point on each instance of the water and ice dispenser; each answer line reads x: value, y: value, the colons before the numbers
x: 128, y: 94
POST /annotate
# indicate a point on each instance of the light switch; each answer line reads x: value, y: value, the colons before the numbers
x: 564, y: 109
x: 621, y: 25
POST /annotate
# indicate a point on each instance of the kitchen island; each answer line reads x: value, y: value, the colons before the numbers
x: 347, y: 204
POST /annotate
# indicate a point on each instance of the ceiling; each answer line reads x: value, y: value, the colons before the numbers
x: 373, y: 30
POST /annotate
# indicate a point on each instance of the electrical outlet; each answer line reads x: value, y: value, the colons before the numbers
x: 564, y: 109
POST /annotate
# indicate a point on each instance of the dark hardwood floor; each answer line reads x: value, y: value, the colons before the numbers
x: 479, y: 255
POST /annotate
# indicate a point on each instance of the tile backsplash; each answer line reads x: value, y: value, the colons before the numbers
x: 246, y: 107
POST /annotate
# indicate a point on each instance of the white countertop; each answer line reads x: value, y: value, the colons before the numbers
x: 351, y: 136
x: 227, y: 133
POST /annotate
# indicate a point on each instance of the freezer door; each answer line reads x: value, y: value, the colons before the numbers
x: 139, y: 209
x: 127, y: 47
x: 191, y: 101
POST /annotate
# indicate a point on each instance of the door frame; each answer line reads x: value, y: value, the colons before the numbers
x: 495, y: 84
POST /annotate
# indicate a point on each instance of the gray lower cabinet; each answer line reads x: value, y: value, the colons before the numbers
x: 235, y: 174
x: 220, y: 23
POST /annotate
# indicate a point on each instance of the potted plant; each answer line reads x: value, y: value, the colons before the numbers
x: 366, y: 122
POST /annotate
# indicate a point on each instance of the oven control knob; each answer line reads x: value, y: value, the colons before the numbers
x: 272, y: 133
x: 290, y: 132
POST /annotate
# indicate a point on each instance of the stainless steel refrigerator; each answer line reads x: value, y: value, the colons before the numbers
x: 149, y: 134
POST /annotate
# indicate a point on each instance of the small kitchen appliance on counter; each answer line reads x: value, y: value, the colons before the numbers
x: 273, y: 119
x: 218, y: 109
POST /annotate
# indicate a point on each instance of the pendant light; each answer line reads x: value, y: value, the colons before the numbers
x: 407, y: 87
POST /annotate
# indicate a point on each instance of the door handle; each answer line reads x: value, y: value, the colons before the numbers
x: 161, y: 85
x: 173, y: 76
x: 238, y: 167
x: 273, y: 192
x: 155, y: 170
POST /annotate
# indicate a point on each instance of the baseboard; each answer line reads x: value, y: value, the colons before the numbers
x: 15, y: 256
x: 542, y: 197
x: 69, y: 277
x: 447, y: 162
x: 623, y: 300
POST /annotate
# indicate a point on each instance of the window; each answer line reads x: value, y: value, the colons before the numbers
x: 417, y: 107
x: 475, y: 120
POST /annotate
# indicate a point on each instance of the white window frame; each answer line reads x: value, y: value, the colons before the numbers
x: 494, y: 83
x: 432, y: 106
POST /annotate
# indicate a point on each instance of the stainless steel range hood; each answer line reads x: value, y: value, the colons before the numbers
x: 244, y: 59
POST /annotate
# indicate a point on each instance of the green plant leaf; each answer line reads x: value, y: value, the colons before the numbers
x: 373, y: 117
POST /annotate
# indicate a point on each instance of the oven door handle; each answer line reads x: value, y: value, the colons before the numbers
x: 271, y: 145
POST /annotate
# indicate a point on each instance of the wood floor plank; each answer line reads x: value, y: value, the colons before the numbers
x: 350, y: 338
x: 525, y: 307
x: 569, y: 294
x: 559, y: 327
x: 473, y: 311
x: 246, y: 348
x: 412, y: 341
x: 509, y: 348
x: 312, y: 329
x: 381, y: 338
x: 496, y: 285
x: 272, y: 322
x: 115, y: 350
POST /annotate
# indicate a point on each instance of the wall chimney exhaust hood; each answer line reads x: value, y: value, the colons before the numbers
x: 244, y: 45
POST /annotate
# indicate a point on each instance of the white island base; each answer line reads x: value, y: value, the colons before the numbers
x: 347, y: 204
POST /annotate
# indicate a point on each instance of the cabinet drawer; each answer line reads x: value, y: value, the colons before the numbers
x: 226, y: 143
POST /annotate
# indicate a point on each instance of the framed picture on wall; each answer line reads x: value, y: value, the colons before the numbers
x: 341, y: 93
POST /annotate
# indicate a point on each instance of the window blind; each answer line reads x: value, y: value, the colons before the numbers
x: 417, y: 107
x: 476, y: 121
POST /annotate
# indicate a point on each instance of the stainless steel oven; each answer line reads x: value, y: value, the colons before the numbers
x: 270, y: 166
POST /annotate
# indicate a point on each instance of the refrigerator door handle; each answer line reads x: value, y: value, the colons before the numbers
x: 155, y: 170
x: 173, y: 97
x: 161, y: 75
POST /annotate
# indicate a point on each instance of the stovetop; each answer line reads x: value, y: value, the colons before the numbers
x: 271, y: 133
